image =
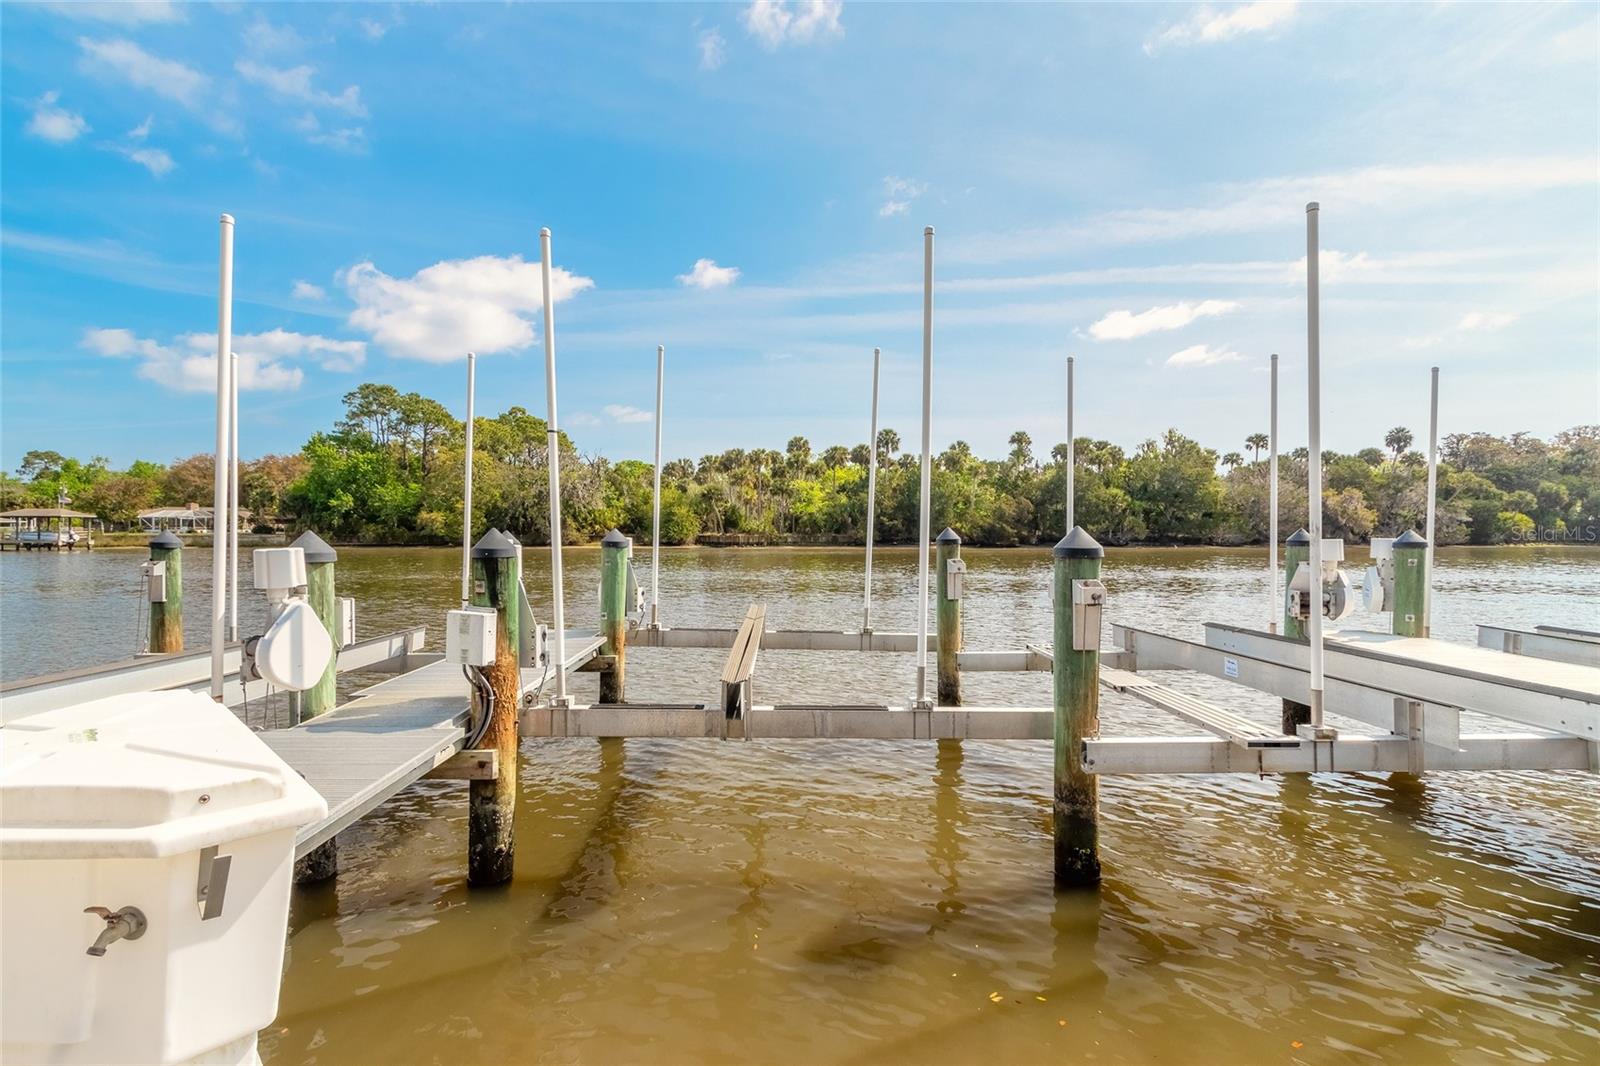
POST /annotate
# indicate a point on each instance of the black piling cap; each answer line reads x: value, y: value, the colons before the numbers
x: 1079, y: 545
x: 317, y: 550
x: 1410, y: 539
x: 614, y: 539
x: 1299, y: 538
x: 165, y: 539
x: 494, y: 545
x: 949, y: 536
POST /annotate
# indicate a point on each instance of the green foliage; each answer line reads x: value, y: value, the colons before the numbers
x: 391, y: 470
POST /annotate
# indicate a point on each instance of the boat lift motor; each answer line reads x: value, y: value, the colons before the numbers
x: 295, y: 650
x: 1338, y: 591
x: 1377, y: 587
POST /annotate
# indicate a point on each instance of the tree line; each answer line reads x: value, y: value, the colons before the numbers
x: 390, y: 471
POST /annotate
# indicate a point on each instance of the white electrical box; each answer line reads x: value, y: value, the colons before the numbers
x: 157, y: 573
x: 279, y: 568
x: 469, y: 636
x: 1088, y: 601
x: 954, y: 570
x: 347, y: 621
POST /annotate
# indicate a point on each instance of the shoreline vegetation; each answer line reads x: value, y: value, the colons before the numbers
x: 390, y: 473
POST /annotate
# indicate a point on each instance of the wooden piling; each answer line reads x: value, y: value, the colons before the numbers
x: 614, y: 614
x: 1076, y: 807
x: 496, y: 579
x: 1296, y: 551
x: 321, y: 591
x: 166, y: 617
x: 947, y: 619
x: 321, y: 862
x: 1410, y: 615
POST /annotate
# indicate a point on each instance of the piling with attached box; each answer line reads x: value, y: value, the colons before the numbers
x: 614, y: 614
x: 496, y: 579
x: 947, y: 617
x: 321, y: 862
x: 166, y: 615
x: 1076, y: 806
x: 1296, y: 551
x: 320, y: 590
x: 1410, y: 616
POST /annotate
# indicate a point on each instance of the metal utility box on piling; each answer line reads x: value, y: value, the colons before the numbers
x: 949, y: 574
x: 496, y: 578
x: 1296, y: 552
x: 614, y: 614
x: 1076, y: 805
x: 165, y: 588
x: 1410, y: 617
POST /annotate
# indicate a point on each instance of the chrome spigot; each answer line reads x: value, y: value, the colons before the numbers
x: 127, y: 924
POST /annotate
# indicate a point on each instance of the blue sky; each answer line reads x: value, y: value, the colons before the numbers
x: 747, y: 184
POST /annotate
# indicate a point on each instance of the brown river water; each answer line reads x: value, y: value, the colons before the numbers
x: 851, y: 901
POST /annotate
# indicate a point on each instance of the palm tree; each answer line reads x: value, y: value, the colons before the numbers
x: 1021, y: 448
x: 1397, y: 440
x: 888, y: 444
x: 1232, y: 459
x: 1256, y: 442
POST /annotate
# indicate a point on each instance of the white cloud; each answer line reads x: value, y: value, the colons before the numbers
x: 142, y: 130
x: 1476, y: 321
x: 55, y: 124
x: 1202, y: 355
x: 713, y: 49
x: 294, y: 83
x: 189, y: 364
x: 1280, y: 202
x: 304, y: 290
x: 164, y: 77
x: 351, y: 139
x: 623, y: 413
x: 373, y: 29
x: 775, y: 23
x: 900, y: 192
x: 581, y: 418
x: 1209, y: 25
x: 155, y: 160
x: 123, y: 12
x: 707, y: 275
x: 440, y: 313
x: 1125, y: 325
x: 263, y: 36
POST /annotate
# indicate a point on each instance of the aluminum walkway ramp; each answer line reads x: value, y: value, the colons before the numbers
x: 388, y: 736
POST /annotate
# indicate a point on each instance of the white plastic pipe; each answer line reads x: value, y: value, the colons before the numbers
x: 655, y: 517
x: 553, y: 461
x: 1275, y: 606
x: 1433, y: 487
x: 219, y: 479
x: 1314, y: 463
x: 1072, y: 456
x: 872, y: 493
x: 466, y: 488
x: 923, y: 529
x: 233, y: 496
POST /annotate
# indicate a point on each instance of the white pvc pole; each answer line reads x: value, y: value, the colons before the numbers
x: 219, y: 480
x: 1072, y: 456
x: 1314, y: 465
x: 1275, y: 605
x: 923, y: 529
x: 466, y: 487
x: 233, y: 496
x: 1433, y: 485
x: 655, y: 517
x: 872, y: 493
x: 553, y: 461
